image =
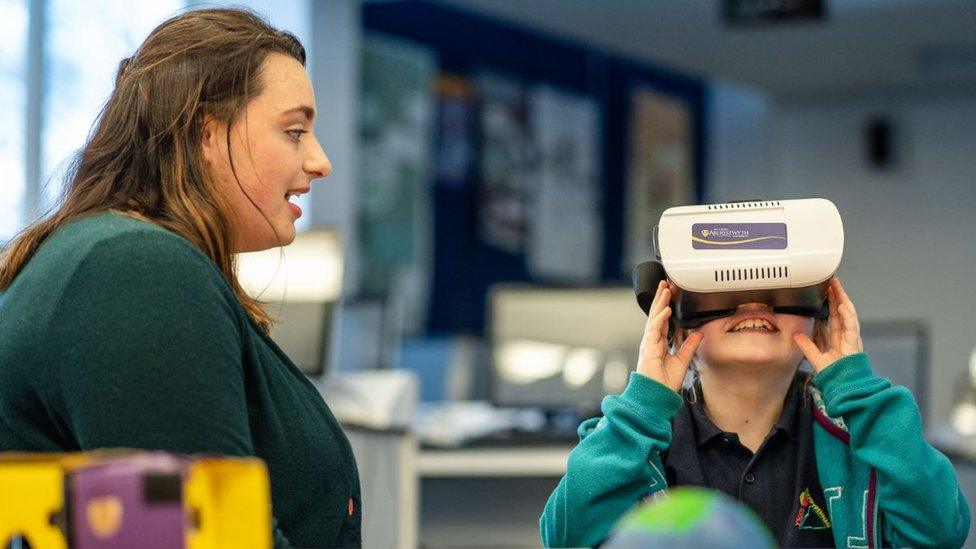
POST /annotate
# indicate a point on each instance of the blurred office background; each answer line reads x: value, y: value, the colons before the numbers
x: 498, y: 167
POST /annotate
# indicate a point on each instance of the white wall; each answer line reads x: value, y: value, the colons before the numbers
x: 334, y: 69
x: 739, y: 137
x: 336, y: 37
x: 909, y: 253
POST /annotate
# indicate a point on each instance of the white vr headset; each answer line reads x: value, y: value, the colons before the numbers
x: 781, y: 253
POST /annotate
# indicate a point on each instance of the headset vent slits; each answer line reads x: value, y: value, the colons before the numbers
x: 756, y: 273
x: 743, y: 205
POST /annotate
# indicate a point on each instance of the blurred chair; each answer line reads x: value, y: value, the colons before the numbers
x: 302, y: 282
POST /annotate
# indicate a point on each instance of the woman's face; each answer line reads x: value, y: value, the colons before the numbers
x: 753, y: 337
x: 275, y: 155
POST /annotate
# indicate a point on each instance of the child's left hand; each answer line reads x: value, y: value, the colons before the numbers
x: 843, y: 331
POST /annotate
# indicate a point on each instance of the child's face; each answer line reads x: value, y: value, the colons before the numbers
x: 745, y: 339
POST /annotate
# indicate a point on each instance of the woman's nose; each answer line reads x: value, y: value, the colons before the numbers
x: 318, y: 164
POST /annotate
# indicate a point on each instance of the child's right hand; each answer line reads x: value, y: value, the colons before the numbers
x: 654, y: 360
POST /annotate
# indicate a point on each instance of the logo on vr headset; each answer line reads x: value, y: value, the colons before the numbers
x: 739, y: 236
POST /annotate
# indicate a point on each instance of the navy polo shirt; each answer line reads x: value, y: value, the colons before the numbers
x: 779, y: 482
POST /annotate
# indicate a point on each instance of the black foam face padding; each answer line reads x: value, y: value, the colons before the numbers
x: 692, y: 309
x: 646, y: 277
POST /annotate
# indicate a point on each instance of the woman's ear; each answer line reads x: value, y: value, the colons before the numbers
x: 211, y: 140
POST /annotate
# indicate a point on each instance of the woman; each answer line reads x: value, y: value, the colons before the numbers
x: 833, y: 460
x: 122, y: 322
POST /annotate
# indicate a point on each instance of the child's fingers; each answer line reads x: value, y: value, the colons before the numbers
x: 851, y: 316
x: 658, y: 298
x: 838, y: 287
x: 808, y: 348
x: 851, y: 336
x: 664, y: 299
x: 688, y: 348
x: 657, y: 295
x: 847, y: 313
x: 835, y: 324
x: 672, y: 287
x: 663, y: 329
x: 660, y: 305
x: 843, y: 297
x: 652, y: 328
x: 832, y: 306
x: 852, y: 332
x: 652, y: 312
x: 672, y: 369
x: 653, y: 335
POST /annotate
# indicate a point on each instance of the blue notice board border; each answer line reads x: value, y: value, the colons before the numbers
x: 464, y: 267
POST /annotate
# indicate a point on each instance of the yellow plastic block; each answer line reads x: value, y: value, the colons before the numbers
x: 229, y: 501
x: 31, y: 492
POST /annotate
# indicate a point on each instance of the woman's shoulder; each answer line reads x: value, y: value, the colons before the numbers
x: 111, y: 241
x: 108, y: 256
x: 116, y: 232
x: 107, y: 274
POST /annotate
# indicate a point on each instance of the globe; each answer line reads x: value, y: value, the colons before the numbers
x: 688, y: 517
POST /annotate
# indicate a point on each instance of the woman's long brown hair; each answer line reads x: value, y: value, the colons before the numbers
x: 144, y: 155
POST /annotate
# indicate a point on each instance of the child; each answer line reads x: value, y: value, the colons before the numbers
x: 832, y: 459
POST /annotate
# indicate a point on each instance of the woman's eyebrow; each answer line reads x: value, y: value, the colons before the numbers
x: 309, y: 112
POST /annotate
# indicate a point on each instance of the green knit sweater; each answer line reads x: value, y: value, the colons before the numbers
x: 119, y: 333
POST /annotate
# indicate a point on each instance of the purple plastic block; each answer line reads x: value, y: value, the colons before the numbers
x: 129, y: 502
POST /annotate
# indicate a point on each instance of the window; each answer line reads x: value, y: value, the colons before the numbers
x: 76, y: 49
x: 13, y: 102
x: 84, y: 44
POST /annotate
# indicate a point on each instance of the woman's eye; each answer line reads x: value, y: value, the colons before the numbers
x: 296, y: 135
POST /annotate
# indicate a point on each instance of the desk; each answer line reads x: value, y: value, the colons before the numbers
x: 480, y: 497
x: 514, y: 462
x: 387, y: 463
x: 961, y: 450
x: 956, y: 446
x: 486, y: 497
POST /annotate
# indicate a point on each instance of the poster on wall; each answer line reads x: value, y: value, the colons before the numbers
x: 504, y: 162
x: 659, y: 164
x: 396, y: 131
x: 566, y: 235
x: 457, y: 113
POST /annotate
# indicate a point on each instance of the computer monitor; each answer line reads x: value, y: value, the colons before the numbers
x: 899, y: 351
x: 300, y: 284
x: 303, y: 330
x: 559, y: 348
x: 562, y: 348
x: 365, y: 338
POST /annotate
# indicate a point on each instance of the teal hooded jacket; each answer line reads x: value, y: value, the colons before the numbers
x: 883, y: 483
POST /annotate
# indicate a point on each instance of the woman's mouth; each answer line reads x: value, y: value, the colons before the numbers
x: 295, y: 210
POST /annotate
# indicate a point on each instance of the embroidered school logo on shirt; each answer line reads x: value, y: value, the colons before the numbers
x: 809, y: 516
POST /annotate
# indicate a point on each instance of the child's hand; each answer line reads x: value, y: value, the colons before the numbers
x: 843, y: 331
x: 654, y: 360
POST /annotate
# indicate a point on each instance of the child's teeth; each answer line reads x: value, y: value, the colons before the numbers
x: 756, y: 324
